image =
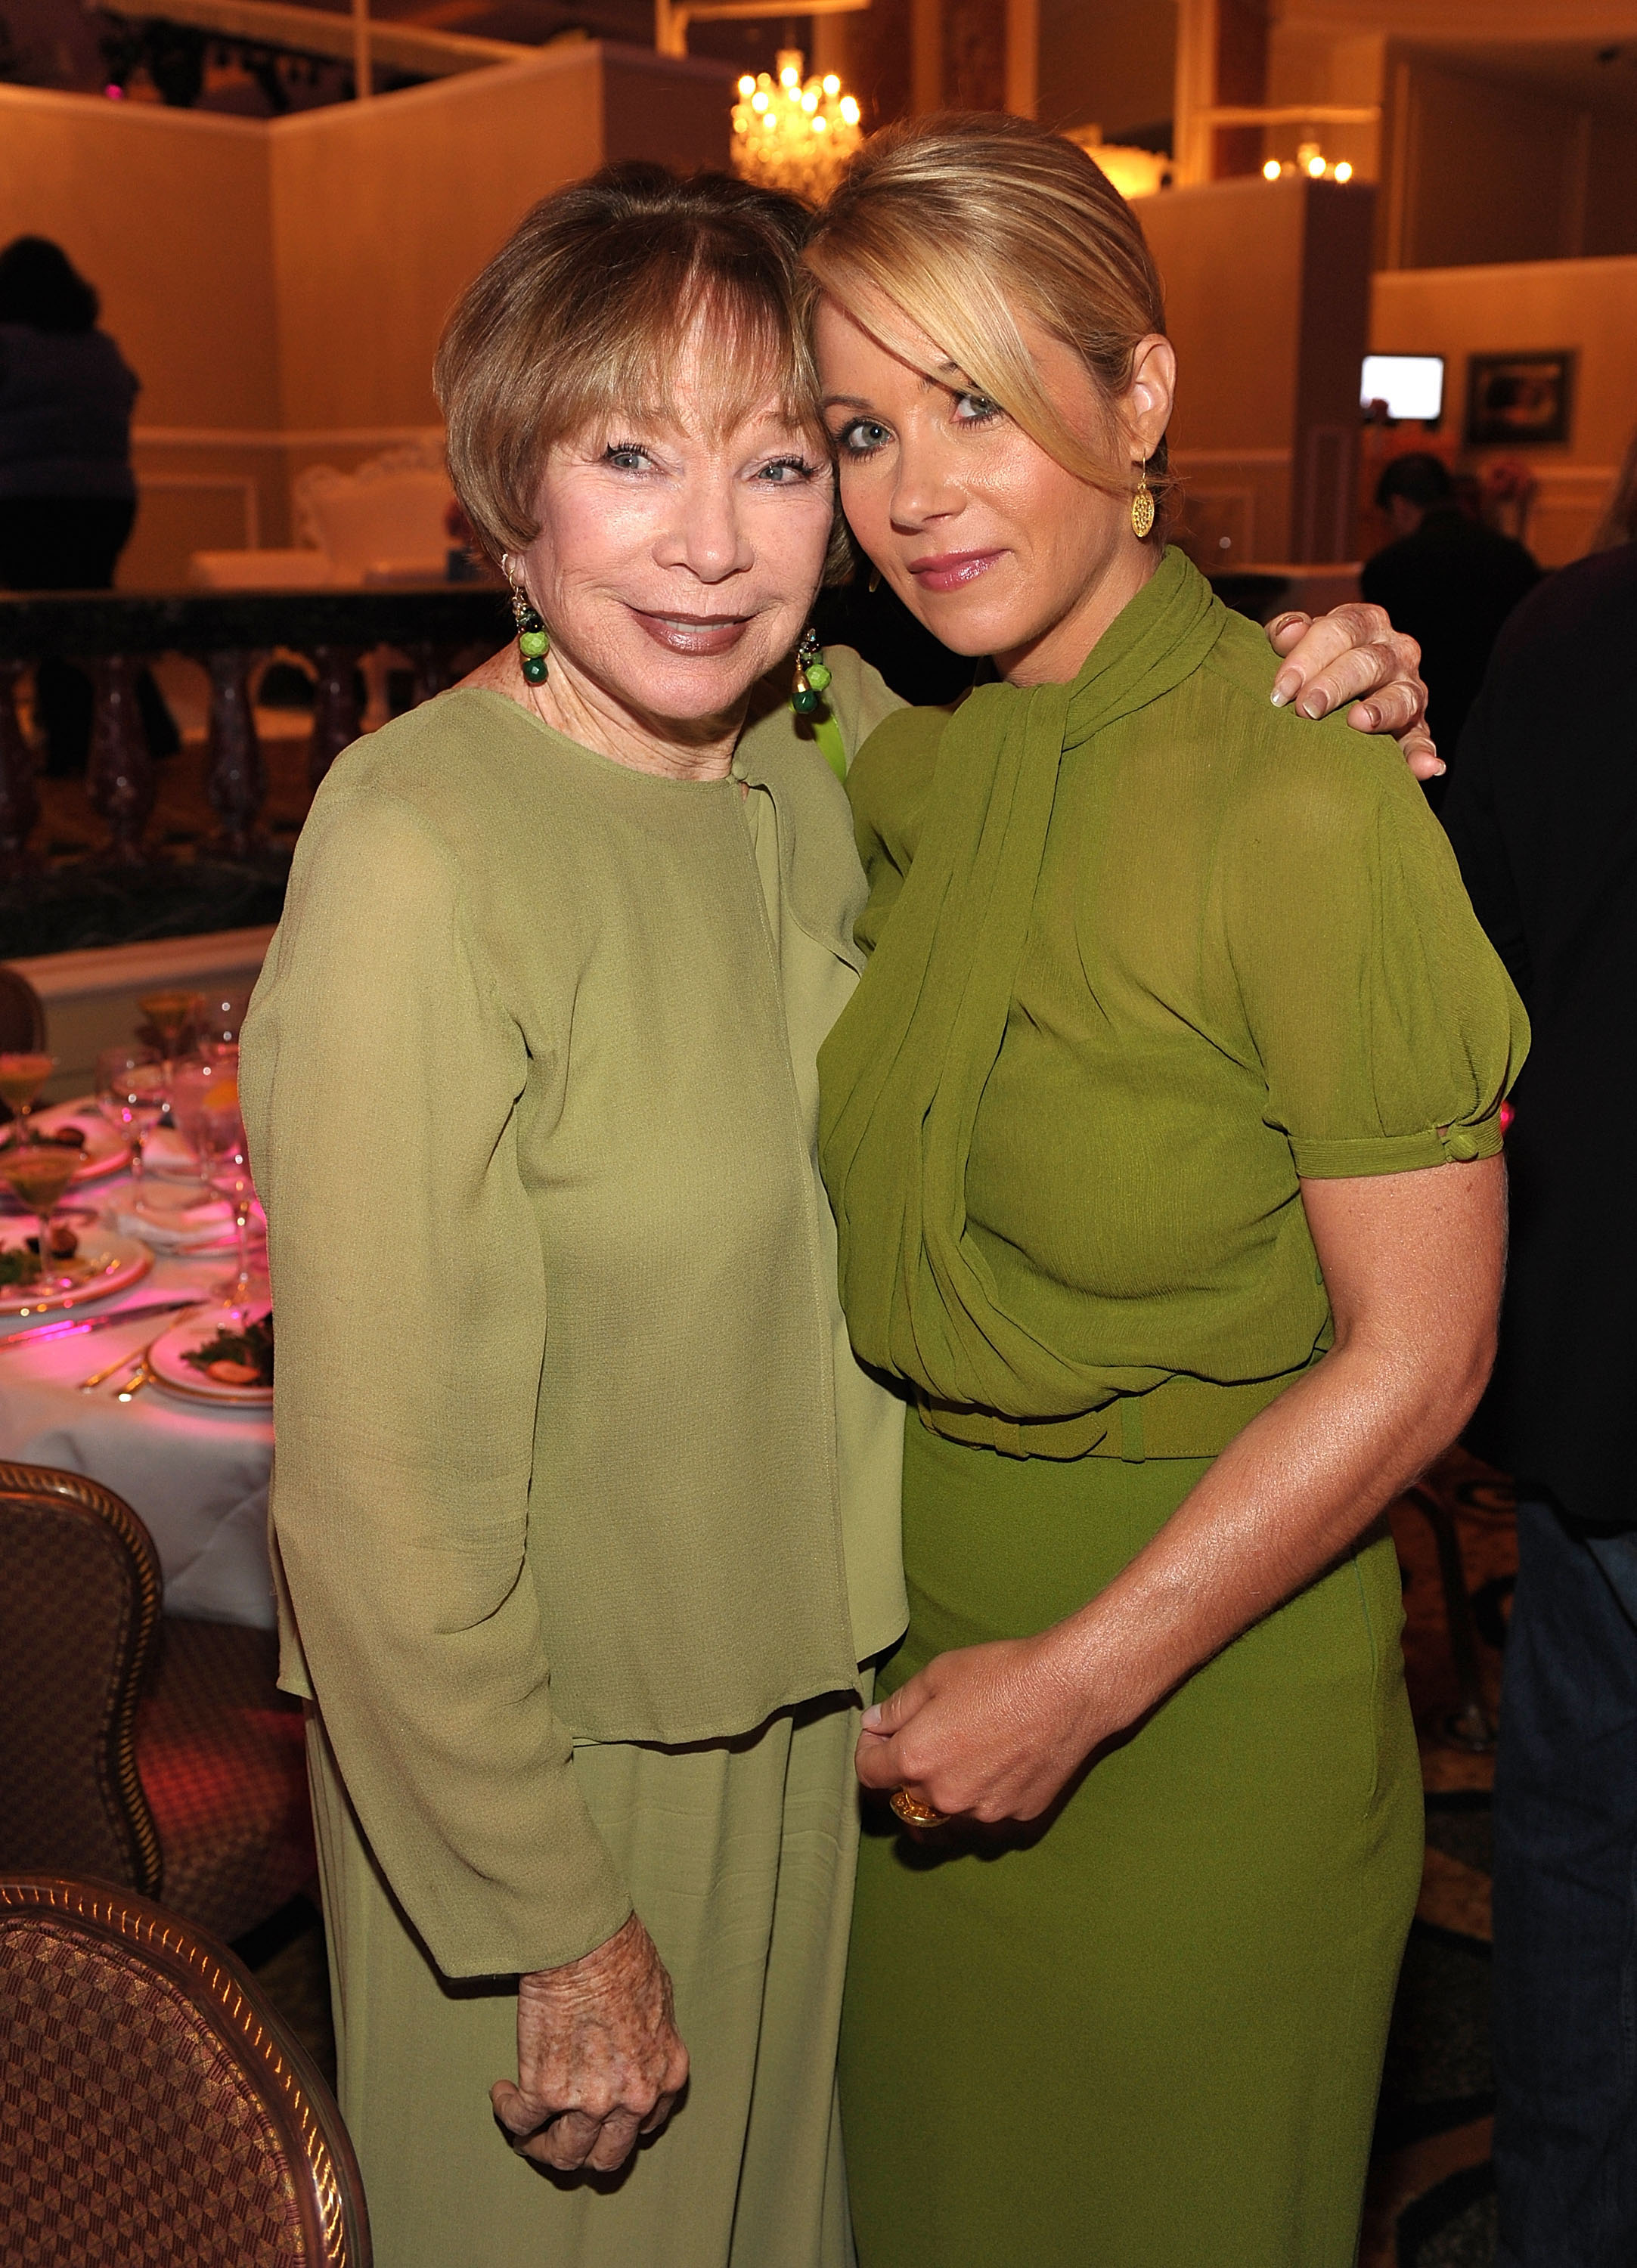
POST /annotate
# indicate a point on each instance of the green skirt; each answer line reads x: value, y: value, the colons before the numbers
x: 739, y: 1857
x: 1151, y: 2035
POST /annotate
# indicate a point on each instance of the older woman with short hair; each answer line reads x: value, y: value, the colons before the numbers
x: 585, y: 1516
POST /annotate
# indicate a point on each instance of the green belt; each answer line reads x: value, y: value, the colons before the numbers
x: 1180, y: 1417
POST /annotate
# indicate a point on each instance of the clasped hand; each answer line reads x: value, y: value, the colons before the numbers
x: 600, y: 2061
x: 994, y: 1732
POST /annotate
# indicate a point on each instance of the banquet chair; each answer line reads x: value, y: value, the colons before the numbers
x: 137, y: 1747
x: 156, y: 2109
x: 1470, y: 1725
x: 22, y: 1015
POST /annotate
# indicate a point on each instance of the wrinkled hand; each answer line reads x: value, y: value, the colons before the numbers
x: 994, y: 1732
x: 1351, y: 652
x: 599, y: 2058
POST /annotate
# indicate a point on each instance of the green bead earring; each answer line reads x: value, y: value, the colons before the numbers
x: 812, y: 676
x: 534, y: 639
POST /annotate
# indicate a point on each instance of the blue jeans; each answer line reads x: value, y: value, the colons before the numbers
x: 1566, y: 1901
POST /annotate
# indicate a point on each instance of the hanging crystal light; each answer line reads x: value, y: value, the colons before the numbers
x: 794, y: 136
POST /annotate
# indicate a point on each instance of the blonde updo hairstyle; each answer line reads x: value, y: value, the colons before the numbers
x: 964, y: 222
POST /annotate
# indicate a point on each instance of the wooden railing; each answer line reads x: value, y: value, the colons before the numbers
x: 112, y: 633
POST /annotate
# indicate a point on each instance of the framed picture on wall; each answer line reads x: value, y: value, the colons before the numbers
x: 1524, y: 399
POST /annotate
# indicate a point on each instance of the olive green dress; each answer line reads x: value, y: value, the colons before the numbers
x: 1147, y: 951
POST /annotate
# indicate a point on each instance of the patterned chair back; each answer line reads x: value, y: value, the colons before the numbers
x: 22, y: 1015
x: 155, y: 2106
x: 79, y: 1608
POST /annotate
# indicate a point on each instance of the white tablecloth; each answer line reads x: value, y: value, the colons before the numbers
x: 195, y: 1476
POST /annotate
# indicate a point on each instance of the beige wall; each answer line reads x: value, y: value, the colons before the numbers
x: 167, y: 212
x: 383, y: 211
x: 1111, y: 65
x: 1266, y: 300
x: 1589, y: 305
x: 279, y: 287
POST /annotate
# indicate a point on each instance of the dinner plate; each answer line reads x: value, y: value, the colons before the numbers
x: 106, y: 1151
x: 110, y: 1263
x: 168, y: 1360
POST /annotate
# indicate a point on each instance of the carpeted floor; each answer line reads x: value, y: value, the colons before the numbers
x: 1431, y: 2201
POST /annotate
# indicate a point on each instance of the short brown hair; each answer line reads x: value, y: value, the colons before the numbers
x: 584, y: 311
x: 962, y: 221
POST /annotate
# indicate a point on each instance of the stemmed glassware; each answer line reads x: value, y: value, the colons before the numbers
x: 132, y: 1085
x: 171, y: 1015
x: 21, y: 1078
x: 38, y: 1172
x: 205, y: 1103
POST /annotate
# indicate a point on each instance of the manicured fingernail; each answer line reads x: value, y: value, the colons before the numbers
x: 1278, y: 697
x: 872, y: 1718
x: 1314, y: 706
x: 1442, y: 768
x: 1371, y: 720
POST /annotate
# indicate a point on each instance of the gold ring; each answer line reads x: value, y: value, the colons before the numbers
x: 914, y: 1813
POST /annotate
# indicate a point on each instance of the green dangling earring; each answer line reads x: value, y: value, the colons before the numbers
x: 534, y: 639
x: 812, y: 676
x: 807, y: 698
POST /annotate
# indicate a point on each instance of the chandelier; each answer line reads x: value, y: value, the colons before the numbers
x: 792, y: 137
x: 1310, y: 160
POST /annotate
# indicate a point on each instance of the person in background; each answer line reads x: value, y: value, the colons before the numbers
x: 67, y: 499
x: 1550, y: 859
x: 1448, y: 580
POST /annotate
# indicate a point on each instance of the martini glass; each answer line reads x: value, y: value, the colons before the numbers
x: 21, y: 1078
x: 171, y: 1013
x: 39, y: 1174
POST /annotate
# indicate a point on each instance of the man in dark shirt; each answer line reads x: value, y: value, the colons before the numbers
x: 1449, y: 581
x: 1542, y: 812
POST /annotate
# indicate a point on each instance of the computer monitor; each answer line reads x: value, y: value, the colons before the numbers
x: 1411, y: 385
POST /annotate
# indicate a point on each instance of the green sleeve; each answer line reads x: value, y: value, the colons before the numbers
x: 887, y: 788
x: 380, y: 1074
x: 1387, y: 1030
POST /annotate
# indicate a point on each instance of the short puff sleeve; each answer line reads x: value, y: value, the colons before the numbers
x: 1388, y: 1030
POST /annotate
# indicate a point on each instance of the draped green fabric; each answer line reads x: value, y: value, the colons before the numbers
x: 903, y: 1071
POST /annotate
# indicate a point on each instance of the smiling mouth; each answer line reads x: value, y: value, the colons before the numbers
x: 696, y: 634
x: 952, y: 571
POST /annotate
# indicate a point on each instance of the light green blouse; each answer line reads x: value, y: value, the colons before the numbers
x: 1148, y: 951
x: 571, y: 1445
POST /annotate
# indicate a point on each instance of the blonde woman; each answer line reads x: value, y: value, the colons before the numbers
x: 1162, y: 1137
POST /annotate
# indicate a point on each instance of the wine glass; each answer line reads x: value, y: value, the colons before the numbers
x: 130, y: 1095
x: 230, y: 1178
x: 220, y: 1017
x: 21, y: 1078
x: 205, y: 1100
x: 38, y: 1174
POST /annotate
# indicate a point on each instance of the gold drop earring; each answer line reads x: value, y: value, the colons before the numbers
x: 1142, y: 505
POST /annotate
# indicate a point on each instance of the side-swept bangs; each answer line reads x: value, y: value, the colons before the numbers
x: 588, y: 316
x: 956, y: 225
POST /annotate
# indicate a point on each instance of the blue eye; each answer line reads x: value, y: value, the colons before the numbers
x: 625, y: 456
x: 862, y: 437
x: 785, y: 472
